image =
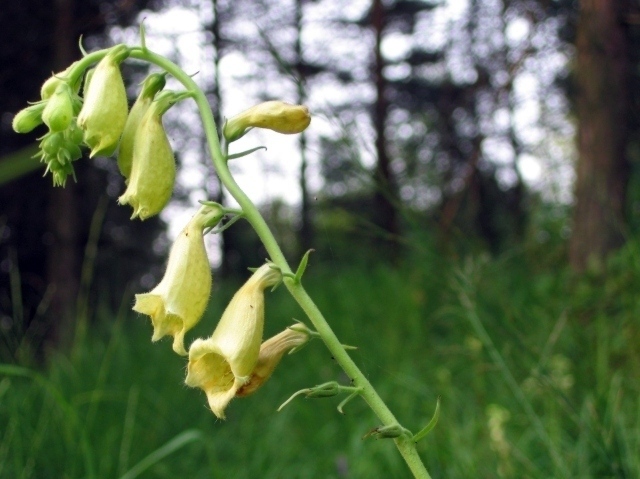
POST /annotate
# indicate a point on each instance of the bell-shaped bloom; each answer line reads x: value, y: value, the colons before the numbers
x: 271, y: 352
x: 153, y: 167
x: 151, y: 85
x: 104, y: 112
x: 223, y: 363
x: 273, y: 115
x: 177, y: 303
x: 58, y: 112
x: 28, y: 118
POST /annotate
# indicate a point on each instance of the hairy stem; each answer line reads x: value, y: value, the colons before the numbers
x: 405, y: 445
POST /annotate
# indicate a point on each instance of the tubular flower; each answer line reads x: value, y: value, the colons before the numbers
x: 104, y: 111
x: 151, y: 85
x: 153, y: 168
x: 223, y: 363
x: 273, y: 115
x: 271, y: 353
x: 177, y: 303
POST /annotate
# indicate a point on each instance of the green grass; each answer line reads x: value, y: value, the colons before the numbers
x: 538, y: 374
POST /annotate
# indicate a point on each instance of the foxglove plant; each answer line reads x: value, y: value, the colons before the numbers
x: 234, y: 361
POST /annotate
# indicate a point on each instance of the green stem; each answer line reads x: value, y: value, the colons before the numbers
x: 405, y: 445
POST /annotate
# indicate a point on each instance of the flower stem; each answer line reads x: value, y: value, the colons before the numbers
x: 405, y: 445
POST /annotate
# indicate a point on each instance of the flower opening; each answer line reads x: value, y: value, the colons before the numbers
x: 223, y: 363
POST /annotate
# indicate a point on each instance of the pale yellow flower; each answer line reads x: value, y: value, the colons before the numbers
x: 223, y: 363
x: 177, y: 303
x: 151, y: 85
x: 153, y: 167
x: 104, y: 112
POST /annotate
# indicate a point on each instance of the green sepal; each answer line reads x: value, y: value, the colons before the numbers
x: 347, y: 399
x: 302, y: 267
x: 432, y: 423
x: 245, y: 153
x: 81, y: 47
x: 391, y: 431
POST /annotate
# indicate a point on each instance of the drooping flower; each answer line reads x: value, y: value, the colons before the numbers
x: 223, y: 363
x: 273, y: 115
x: 151, y: 85
x: 153, y: 167
x: 177, y: 303
x: 104, y: 112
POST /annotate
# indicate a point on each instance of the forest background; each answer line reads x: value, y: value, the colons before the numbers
x: 470, y: 184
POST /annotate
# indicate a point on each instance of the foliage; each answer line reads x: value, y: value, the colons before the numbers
x: 568, y: 342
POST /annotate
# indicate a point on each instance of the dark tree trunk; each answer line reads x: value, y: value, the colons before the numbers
x: 602, y: 75
x: 385, y: 214
x: 64, y: 255
x: 213, y: 182
x: 305, y: 237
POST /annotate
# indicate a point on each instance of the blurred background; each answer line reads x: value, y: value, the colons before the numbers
x: 470, y: 184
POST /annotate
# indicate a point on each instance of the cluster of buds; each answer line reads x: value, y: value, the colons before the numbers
x: 57, y: 109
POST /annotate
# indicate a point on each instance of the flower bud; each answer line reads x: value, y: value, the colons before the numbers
x: 58, y: 112
x: 104, y: 111
x: 177, y: 303
x: 223, y: 363
x: 28, y: 118
x: 271, y: 353
x: 153, y: 168
x: 49, y: 87
x: 151, y: 85
x: 273, y: 115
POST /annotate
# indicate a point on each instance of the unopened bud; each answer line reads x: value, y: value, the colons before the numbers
x: 274, y: 115
x: 49, y: 87
x: 28, y: 118
x: 271, y: 352
x: 58, y: 112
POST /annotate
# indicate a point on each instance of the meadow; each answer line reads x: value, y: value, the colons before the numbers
x: 537, y: 371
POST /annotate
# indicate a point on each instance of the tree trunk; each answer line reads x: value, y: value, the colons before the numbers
x: 385, y: 214
x: 64, y: 255
x: 214, y: 185
x: 305, y: 236
x: 602, y: 75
